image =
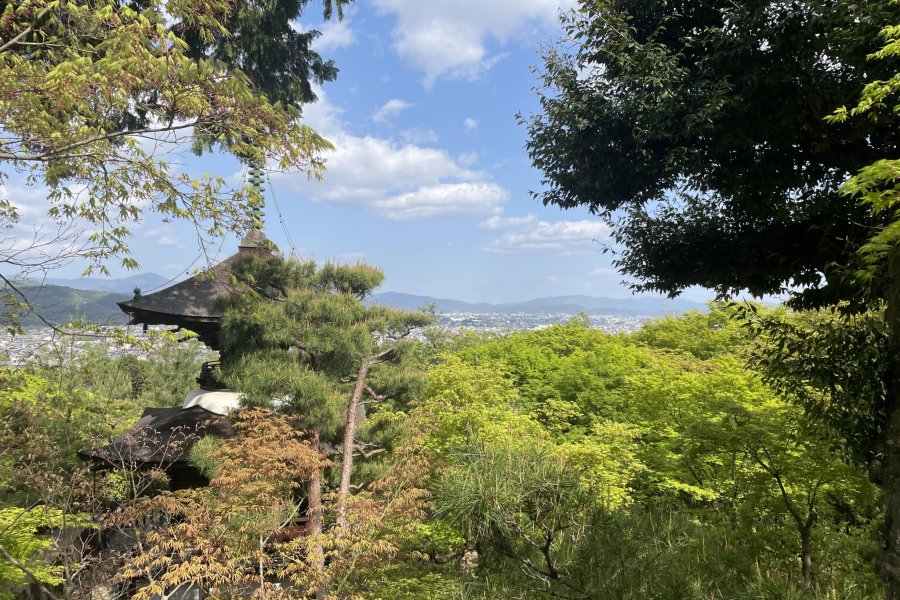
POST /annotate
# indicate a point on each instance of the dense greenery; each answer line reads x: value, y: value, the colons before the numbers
x: 565, y: 462
x: 717, y: 139
x: 70, y: 397
x: 728, y: 454
x: 652, y: 465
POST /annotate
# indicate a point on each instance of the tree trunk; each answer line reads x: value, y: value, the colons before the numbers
x: 314, y: 515
x: 806, y: 553
x: 349, y: 441
x: 890, y: 483
x: 890, y: 468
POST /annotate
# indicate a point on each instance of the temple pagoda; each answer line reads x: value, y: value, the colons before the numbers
x: 193, y: 304
x: 163, y: 437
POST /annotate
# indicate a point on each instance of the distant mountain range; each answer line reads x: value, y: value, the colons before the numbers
x: 92, y: 299
x: 145, y: 281
x: 637, y: 306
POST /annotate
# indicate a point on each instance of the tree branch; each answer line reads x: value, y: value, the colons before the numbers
x: 25, y: 31
x: 51, y: 154
x: 9, y: 557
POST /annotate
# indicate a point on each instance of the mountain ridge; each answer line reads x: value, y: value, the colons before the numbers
x: 60, y: 303
x: 573, y: 304
x: 125, y: 285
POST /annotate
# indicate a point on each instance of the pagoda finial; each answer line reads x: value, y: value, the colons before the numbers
x: 256, y: 179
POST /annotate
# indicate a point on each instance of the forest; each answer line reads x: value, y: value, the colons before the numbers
x: 563, y: 462
x: 282, y: 437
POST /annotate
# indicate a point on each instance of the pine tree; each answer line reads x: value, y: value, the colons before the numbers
x: 299, y: 338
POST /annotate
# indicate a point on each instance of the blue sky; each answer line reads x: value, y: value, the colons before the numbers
x: 429, y: 178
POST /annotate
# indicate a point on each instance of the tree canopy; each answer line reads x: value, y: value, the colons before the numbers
x: 94, y: 94
x: 715, y: 138
x: 700, y: 129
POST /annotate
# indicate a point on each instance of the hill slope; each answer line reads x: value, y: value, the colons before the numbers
x: 59, y: 304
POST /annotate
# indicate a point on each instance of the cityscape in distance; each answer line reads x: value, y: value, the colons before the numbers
x: 93, y: 299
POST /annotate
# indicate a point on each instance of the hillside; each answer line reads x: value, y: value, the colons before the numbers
x: 60, y: 304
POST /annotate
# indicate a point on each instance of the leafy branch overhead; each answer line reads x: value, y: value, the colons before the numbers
x: 878, y: 185
x: 93, y: 95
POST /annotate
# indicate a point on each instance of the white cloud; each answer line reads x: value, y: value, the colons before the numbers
x: 467, y: 159
x: 560, y: 237
x: 372, y: 168
x: 445, y: 200
x: 30, y: 202
x: 323, y: 116
x: 449, y: 37
x: 162, y: 236
x: 400, y: 181
x: 390, y: 109
x: 335, y: 35
x: 504, y: 222
x: 470, y: 124
x: 420, y: 136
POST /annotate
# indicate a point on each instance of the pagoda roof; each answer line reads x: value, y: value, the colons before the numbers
x: 162, y: 437
x: 193, y: 298
x: 193, y: 303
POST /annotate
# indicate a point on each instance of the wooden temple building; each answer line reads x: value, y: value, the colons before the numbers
x: 163, y: 437
x: 192, y: 303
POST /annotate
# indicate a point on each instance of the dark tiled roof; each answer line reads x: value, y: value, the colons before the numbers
x: 162, y: 437
x: 192, y: 303
x: 194, y: 298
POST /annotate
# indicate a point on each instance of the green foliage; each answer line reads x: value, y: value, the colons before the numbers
x: 160, y: 373
x: 413, y: 581
x: 606, y: 460
x: 833, y: 363
x: 23, y: 535
x: 203, y: 454
x: 300, y: 333
x: 463, y: 401
x: 877, y: 185
x: 260, y: 41
x: 564, y: 462
x: 699, y: 130
x: 521, y: 501
x: 704, y: 335
x: 686, y: 475
x: 36, y: 410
